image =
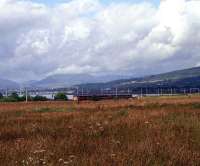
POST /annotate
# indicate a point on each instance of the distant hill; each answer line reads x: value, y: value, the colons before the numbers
x: 68, y: 80
x: 180, y: 78
x: 4, y: 84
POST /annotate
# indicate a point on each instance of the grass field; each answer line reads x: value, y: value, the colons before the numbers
x: 149, y: 131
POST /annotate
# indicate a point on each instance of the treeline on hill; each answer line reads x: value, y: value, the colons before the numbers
x: 14, y: 97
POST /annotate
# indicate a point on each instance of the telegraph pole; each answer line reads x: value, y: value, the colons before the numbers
x: 82, y: 91
x: 116, y: 92
x: 6, y: 92
x: 102, y: 91
x: 77, y: 91
x: 26, y: 91
x: 146, y: 91
x: 20, y: 92
x: 184, y: 92
x: 161, y: 91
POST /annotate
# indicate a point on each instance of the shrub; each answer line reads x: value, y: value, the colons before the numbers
x: 14, y: 96
x: 9, y: 99
x: 60, y: 96
x: 23, y: 98
x: 95, y: 98
x: 1, y: 95
x: 39, y: 98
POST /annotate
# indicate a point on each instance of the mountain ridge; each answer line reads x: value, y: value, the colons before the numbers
x: 68, y: 80
x: 8, y: 84
x: 178, y: 78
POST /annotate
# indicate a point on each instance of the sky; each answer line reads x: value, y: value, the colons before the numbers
x: 99, y: 37
x: 50, y: 2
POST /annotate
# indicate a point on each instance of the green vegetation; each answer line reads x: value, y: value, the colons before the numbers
x: 43, y: 110
x: 14, y: 97
x: 60, y: 97
x: 11, y: 98
x: 8, y: 99
x: 1, y: 95
x: 46, y: 109
x: 23, y: 98
x: 39, y: 98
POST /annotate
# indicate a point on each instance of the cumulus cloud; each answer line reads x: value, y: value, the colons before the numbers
x: 87, y: 36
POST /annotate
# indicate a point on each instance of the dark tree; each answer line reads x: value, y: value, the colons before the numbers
x: 14, y: 95
x: 1, y: 96
x: 39, y: 98
x: 60, y: 96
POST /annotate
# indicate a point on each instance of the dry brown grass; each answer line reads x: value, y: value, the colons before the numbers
x: 150, y: 131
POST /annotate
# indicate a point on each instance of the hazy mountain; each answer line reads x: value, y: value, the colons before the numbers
x: 180, y: 78
x: 4, y: 84
x: 28, y: 84
x: 67, y: 80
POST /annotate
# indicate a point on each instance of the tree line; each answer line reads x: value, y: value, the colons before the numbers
x: 14, y: 97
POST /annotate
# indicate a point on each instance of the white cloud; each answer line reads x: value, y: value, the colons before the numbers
x: 86, y: 36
